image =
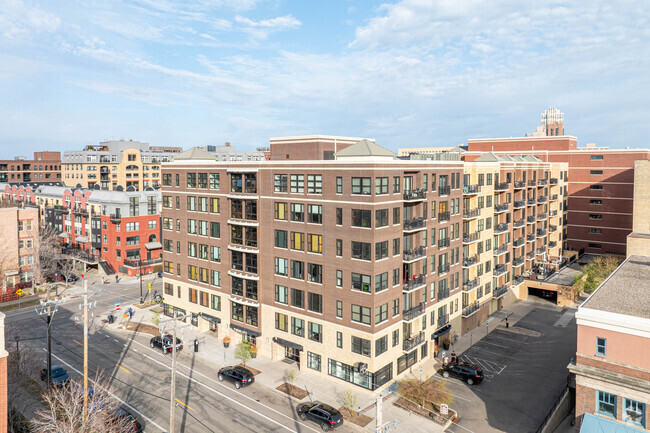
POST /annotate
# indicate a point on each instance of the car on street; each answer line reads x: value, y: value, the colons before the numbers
x: 165, y: 343
x: 58, y: 375
x: 470, y: 373
x: 72, y: 278
x: 126, y: 420
x: 322, y: 414
x: 240, y: 376
x: 160, y: 274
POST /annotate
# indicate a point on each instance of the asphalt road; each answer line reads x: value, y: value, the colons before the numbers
x: 140, y: 376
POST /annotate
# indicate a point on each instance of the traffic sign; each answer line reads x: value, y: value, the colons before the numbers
x: 19, y: 292
x: 444, y: 409
x: 150, y: 287
x: 117, y: 306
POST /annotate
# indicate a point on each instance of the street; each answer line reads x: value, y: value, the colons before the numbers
x: 139, y: 376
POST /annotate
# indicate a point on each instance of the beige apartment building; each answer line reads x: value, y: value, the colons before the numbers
x: 113, y: 164
x: 638, y: 242
x: 358, y: 268
x: 19, y: 242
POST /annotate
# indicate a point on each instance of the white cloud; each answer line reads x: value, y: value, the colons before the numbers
x: 19, y: 20
x: 261, y: 29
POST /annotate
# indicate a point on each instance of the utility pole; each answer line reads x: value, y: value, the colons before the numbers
x: 172, y: 399
x: 140, y: 274
x: 85, y: 409
x: 48, y: 311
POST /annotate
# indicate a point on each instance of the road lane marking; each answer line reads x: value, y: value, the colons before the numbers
x: 77, y: 342
x: 114, y: 396
x: 123, y: 368
x: 178, y: 401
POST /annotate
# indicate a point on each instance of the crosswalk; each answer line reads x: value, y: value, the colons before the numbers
x: 487, y: 366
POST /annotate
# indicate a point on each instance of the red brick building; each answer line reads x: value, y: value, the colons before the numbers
x: 600, y: 191
x: 45, y: 167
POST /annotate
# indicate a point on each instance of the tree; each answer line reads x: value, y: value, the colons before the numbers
x: 595, y: 273
x: 348, y: 399
x: 243, y: 352
x: 428, y: 394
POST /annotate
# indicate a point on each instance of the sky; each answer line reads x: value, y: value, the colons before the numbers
x: 410, y: 73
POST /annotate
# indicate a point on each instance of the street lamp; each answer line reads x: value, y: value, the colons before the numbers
x: 140, y: 274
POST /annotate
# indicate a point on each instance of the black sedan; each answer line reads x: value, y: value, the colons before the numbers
x: 322, y: 414
x: 240, y: 376
x: 165, y: 343
x: 124, y: 419
x: 58, y: 375
x: 470, y: 373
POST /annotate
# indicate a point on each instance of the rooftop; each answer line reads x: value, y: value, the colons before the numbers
x: 625, y: 291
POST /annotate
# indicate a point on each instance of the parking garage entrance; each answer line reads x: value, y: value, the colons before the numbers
x: 543, y: 293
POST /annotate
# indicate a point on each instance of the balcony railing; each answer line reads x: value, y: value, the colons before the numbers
x: 519, y: 224
x: 471, y: 213
x: 530, y: 237
x: 116, y: 218
x: 542, y: 182
x: 540, y: 251
x: 470, y: 261
x: 443, y: 320
x: 500, y: 292
x: 414, y: 283
x: 443, y: 293
x: 443, y: 216
x: 530, y: 219
x: 531, y: 202
x: 501, y: 186
x: 444, y: 190
x: 499, y: 270
x: 530, y: 255
x: 519, y: 279
x: 554, y: 197
x: 518, y: 242
x: 414, y: 254
x: 138, y: 263
x: 471, y: 238
x: 443, y: 243
x: 443, y: 268
x: 413, y: 313
x: 554, y: 181
x: 519, y: 204
x: 552, y: 244
x: 518, y: 261
x: 415, y: 194
x: 541, y: 233
x: 552, y: 229
x: 552, y: 213
x: 471, y: 189
x: 471, y: 309
x: 501, y: 228
x: 520, y: 184
x: 541, y: 216
x: 501, y: 207
x: 414, y: 224
x: 413, y: 342
x: 501, y: 250
x: 542, y: 199
x: 471, y: 284
x: 531, y: 183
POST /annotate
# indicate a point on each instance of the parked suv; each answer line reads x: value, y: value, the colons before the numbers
x: 58, y: 375
x: 165, y: 343
x: 240, y: 376
x: 470, y: 373
x: 322, y: 414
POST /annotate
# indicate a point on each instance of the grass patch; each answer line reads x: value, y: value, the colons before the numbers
x: 359, y: 419
x: 23, y: 304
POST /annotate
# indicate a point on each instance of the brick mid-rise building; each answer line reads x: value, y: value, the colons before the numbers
x: 19, y: 241
x: 45, y: 167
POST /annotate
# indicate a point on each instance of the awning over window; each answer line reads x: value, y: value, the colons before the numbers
x: 63, y: 235
x: 81, y: 239
x: 153, y: 246
x: 246, y: 330
x: 440, y: 332
x: 593, y: 423
x: 286, y: 343
x: 210, y: 318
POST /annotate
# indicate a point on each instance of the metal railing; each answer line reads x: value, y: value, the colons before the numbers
x: 412, y: 313
x: 530, y: 255
x: 541, y: 216
x: 530, y: 219
x: 471, y: 213
x: 531, y: 201
x: 520, y: 184
x: 518, y: 261
x: 499, y: 270
x: 501, y: 207
x: 541, y: 233
x: 541, y: 199
x: 444, y: 216
x: 501, y: 250
x: 443, y: 243
x: 531, y: 183
x: 471, y: 284
x: 443, y: 268
x: 554, y: 181
x: 552, y: 213
x: 470, y: 261
x: 471, y: 189
x: 519, y: 204
x: 443, y: 320
x: 138, y: 263
x: 541, y: 251
x: 416, y: 223
x: 552, y: 244
x: 501, y: 186
x: 471, y: 309
x: 415, y: 253
x: 444, y: 190
x: 554, y: 197
x: 501, y: 228
x: 530, y: 237
x: 499, y: 292
x: 413, y: 341
x: 415, y: 194
x: 472, y: 237
x: 542, y: 182
x: 415, y: 283
x: 552, y: 228
x: 518, y: 242
x: 443, y: 293
x: 520, y: 223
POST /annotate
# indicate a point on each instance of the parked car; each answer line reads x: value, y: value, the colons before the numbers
x: 72, y: 277
x: 58, y: 375
x: 165, y: 343
x: 160, y: 274
x: 126, y: 420
x: 240, y: 376
x: 470, y: 373
x: 322, y: 414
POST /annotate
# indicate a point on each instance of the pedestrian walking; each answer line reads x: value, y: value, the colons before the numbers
x: 115, y: 278
x: 131, y: 313
x: 102, y: 280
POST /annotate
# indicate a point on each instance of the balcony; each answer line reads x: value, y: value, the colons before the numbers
x: 139, y: 263
x: 499, y: 270
x: 520, y: 184
x: 116, y: 218
x: 415, y: 195
x: 552, y: 229
x: 519, y: 224
x: 471, y: 238
x: 501, y: 207
x: 413, y: 342
x: 414, y: 224
x: 519, y: 204
x: 541, y: 217
x: 530, y: 237
x: 540, y: 251
x: 554, y: 197
x: 519, y: 279
x: 471, y: 284
x: 443, y: 216
x: 531, y: 183
x: 501, y: 250
x: 444, y: 190
x: 542, y: 182
x: 542, y: 199
x: 471, y: 189
x: 415, y: 283
x: 552, y: 213
x: 531, y: 202
x: 518, y: 242
x: 469, y: 214
x: 470, y: 261
x: 499, y: 292
x: 471, y: 309
x: 552, y: 244
x: 443, y: 243
x: 530, y: 255
x: 502, y: 186
x: 413, y: 313
x: 414, y: 254
x: 443, y: 320
x: 554, y: 181
x: 443, y: 269
x: 518, y: 261
x: 501, y: 228
x: 541, y: 233
x: 530, y: 219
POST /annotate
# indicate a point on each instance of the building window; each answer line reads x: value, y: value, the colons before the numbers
x: 361, y: 185
x: 596, y: 172
x: 395, y: 337
x: 361, y: 282
x: 361, y: 251
x: 595, y: 246
x: 339, y: 278
x: 339, y: 309
x: 297, y: 212
x: 396, y: 185
x: 601, y: 346
x: 634, y: 412
x: 314, y: 184
x: 381, y: 313
x: 281, y: 238
x: 361, y: 218
x: 315, y: 302
x: 596, y: 231
x: 381, y: 282
x: 595, y: 187
x: 297, y: 241
x: 596, y: 157
x: 339, y: 339
x: 281, y: 266
x: 339, y: 247
x: 280, y: 211
x: 381, y: 217
x: 381, y: 345
x: 280, y: 183
x: 315, y: 332
x: 281, y: 294
x: 606, y: 404
x: 298, y: 183
x: 595, y: 202
x: 313, y: 361
x: 297, y: 327
x: 297, y: 298
x: 360, y: 346
x: 381, y: 185
x: 594, y: 216
x: 381, y: 250
x: 339, y: 216
x: 314, y: 273
x: 360, y: 314
x: 281, y: 321
x: 315, y: 214
x: 339, y: 185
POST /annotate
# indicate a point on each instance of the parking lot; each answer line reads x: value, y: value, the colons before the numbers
x: 524, y: 368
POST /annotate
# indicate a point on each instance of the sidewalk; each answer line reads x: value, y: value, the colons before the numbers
x: 211, y: 350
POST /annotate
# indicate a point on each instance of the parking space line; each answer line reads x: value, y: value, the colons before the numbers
x: 494, y: 344
x: 489, y: 366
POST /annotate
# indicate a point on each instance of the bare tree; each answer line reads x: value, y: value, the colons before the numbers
x: 428, y: 394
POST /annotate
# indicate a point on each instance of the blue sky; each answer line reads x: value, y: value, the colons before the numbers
x: 408, y: 73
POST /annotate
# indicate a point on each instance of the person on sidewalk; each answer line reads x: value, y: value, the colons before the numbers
x: 116, y: 279
x: 454, y: 358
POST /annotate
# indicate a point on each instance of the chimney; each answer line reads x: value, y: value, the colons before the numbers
x: 227, y: 143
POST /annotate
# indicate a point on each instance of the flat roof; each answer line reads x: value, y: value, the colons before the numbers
x: 625, y: 291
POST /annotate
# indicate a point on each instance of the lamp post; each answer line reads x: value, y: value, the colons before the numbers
x: 140, y: 274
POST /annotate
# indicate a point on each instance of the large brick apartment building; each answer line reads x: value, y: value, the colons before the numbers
x: 45, y: 167
x: 19, y: 241
x: 358, y: 267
